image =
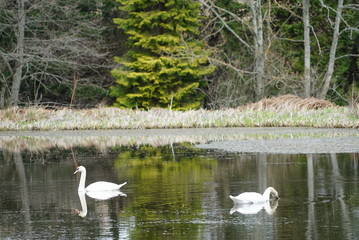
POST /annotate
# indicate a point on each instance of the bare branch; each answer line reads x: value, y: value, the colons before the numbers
x: 347, y: 55
x: 289, y: 10
x: 240, y: 71
x: 225, y: 23
x: 316, y: 39
x: 351, y: 6
x: 352, y: 29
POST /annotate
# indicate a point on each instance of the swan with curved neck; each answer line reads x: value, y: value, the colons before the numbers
x: 97, y: 186
x: 253, y: 197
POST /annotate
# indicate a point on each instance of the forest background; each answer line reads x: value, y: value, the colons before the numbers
x: 71, y: 53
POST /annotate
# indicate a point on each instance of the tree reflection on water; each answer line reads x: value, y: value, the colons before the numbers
x: 174, y: 191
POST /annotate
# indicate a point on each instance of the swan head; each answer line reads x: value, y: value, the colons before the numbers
x: 273, y: 193
x: 81, y: 213
x: 80, y: 169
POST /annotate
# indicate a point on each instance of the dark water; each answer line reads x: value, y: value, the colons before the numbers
x: 177, y: 192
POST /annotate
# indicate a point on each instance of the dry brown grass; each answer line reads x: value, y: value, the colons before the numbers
x: 289, y: 102
x: 284, y: 111
x: 24, y: 114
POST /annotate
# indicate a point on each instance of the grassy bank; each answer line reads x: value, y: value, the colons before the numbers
x: 113, y: 118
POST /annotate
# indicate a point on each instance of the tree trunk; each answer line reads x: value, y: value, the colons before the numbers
x: 20, y: 34
x: 330, y: 69
x: 2, y: 96
x: 353, y: 71
x: 306, y: 5
x: 2, y: 84
x: 258, y: 47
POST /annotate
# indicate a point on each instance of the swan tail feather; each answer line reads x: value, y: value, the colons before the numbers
x: 121, y: 185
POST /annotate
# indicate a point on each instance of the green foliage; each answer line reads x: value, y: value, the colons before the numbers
x: 290, y: 28
x: 166, y: 63
x: 160, y: 171
x: 163, y: 63
x: 90, y: 94
x: 284, y: 51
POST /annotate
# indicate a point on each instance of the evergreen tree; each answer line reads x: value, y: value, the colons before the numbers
x: 165, y: 63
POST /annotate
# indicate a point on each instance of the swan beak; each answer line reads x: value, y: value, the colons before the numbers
x: 75, y: 171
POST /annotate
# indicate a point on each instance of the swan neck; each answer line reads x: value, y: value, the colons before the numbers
x: 82, y: 181
x: 267, y: 193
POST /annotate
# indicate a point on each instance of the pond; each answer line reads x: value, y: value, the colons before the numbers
x: 178, y: 186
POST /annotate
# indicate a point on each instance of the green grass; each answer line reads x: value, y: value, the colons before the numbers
x: 17, y: 119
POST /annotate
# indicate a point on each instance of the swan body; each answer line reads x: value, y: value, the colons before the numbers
x: 97, y: 186
x: 253, y: 197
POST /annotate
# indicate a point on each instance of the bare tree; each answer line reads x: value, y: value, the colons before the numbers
x: 19, y: 50
x: 337, y: 31
x: 307, y: 71
x: 333, y: 49
x: 47, y: 45
x: 252, y: 45
x: 257, y: 20
x: 3, y: 79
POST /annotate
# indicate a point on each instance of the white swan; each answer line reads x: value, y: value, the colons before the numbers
x: 253, y: 197
x: 97, y: 186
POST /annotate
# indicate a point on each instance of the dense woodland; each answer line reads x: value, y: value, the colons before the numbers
x: 176, y: 54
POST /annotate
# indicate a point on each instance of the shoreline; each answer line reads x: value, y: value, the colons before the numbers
x: 275, y: 140
x: 109, y: 118
x: 181, y: 131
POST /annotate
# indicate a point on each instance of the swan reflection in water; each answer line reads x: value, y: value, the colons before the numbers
x: 104, y: 195
x: 254, y: 208
x: 101, y: 195
x: 83, y: 212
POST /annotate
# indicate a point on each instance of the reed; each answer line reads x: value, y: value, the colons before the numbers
x: 113, y: 118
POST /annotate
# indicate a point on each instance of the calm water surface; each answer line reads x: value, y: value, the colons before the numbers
x: 177, y: 192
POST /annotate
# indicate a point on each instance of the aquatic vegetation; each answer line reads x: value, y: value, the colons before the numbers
x: 114, y: 118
